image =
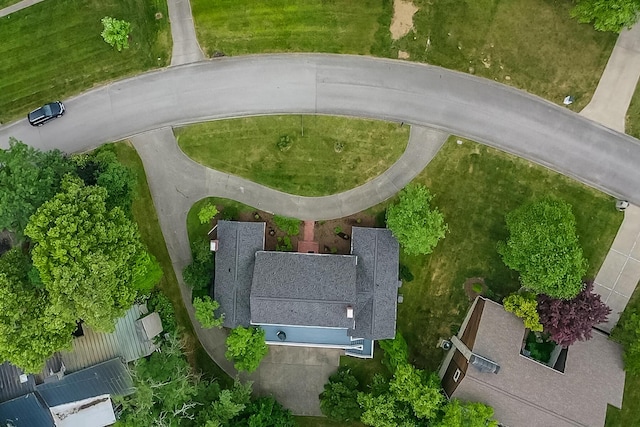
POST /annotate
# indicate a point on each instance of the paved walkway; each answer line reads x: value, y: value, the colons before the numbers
x: 17, y: 6
x: 177, y: 182
x: 185, y: 43
x: 620, y: 271
x: 618, y: 82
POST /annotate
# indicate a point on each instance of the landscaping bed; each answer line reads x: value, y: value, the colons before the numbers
x: 304, y: 155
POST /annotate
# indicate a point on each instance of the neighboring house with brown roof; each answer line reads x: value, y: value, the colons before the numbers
x: 309, y: 299
x: 486, y: 364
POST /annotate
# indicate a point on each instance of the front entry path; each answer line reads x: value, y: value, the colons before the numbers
x: 294, y: 375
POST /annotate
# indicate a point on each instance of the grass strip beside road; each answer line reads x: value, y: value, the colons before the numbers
x: 144, y: 214
x: 53, y: 49
x: 325, y: 155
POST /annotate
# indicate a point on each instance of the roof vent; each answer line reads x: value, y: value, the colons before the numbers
x: 483, y: 364
x: 213, y: 245
x: 23, y: 378
x: 349, y: 312
x: 445, y: 344
x: 281, y: 335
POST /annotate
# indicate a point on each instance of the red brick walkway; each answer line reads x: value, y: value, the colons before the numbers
x: 307, y: 244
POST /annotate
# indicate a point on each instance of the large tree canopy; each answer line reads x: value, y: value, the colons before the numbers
x: 414, y: 223
x: 28, y: 178
x: 88, y: 257
x: 607, y: 15
x: 543, y: 247
x: 568, y: 321
x: 30, y: 329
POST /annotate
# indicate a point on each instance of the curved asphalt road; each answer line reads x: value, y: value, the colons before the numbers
x: 488, y: 112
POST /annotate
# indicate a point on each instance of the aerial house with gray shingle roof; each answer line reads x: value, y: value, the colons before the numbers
x: 307, y: 299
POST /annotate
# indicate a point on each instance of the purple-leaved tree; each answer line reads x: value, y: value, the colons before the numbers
x: 568, y: 321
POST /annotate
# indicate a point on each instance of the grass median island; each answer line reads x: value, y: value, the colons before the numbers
x: 632, y: 125
x: 475, y: 187
x: 337, y: 26
x: 52, y: 50
x: 303, y: 155
x: 144, y: 214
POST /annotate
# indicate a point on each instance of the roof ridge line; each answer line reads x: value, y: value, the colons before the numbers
x: 301, y: 300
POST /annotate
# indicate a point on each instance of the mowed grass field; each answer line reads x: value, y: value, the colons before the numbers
x: 530, y: 44
x: 237, y: 27
x: 325, y: 155
x: 53, y: 49
x: 475, y: 187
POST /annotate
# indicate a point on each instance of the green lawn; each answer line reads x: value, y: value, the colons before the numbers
x: 633, y: 115
x: 53, y: 50
x: 535, y: 43
x: 144, y: 214
x: 531, y: 44
x: 238, y: 27
x: 326, y: 155
x: 475, y: 187
x: 629, y: 415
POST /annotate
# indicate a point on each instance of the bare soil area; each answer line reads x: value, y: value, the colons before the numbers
x: 402, y: 21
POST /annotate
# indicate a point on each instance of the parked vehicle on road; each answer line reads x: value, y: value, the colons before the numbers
x: 47, y: 112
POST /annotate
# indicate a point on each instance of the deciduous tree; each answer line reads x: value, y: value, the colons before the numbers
x: 525, y: 306
x: 568, y: 321
x: 116, y: 32
x: 396, y: 352
x: 246, y: 347
x: 339, y: 400
x: 467, y: 414
x: 87, y: 256
x: 28, y: 178
x: 627, y: 333
x: 543, y: 247
x: 419, y: 389
x: 205, y: 312
x: 30, y: 328
x: 416, y: 225
x: 207, y: 212
x: 607, y: 15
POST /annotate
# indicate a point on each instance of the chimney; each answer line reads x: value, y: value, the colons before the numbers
x: 349, y: 312
x: 213, y: 245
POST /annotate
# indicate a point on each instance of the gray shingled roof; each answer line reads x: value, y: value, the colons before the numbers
x: 111, y: 377
x: 377, y: 282
x: 291, y: 288
x: 26, y: 411
x: 526, y: 393
x: 238, y: 244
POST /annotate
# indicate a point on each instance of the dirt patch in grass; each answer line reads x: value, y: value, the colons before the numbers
x: 402, y: 21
